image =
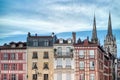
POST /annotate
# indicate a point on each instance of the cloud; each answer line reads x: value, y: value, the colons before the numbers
x: 44, y: 16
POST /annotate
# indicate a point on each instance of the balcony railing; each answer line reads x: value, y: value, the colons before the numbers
x: 81, y: 56
x: 63, y: 55
x: 91, y: 56
x: 68, y: 66
x: 92, y: 68
x: 59, y: 66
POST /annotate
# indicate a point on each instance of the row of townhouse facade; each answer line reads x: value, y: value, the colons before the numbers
x: 50, y: 58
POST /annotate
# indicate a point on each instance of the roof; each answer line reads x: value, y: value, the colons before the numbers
x: 13, y: 45
x: 85, y: 43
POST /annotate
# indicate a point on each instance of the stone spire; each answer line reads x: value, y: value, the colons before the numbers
x: 109, y: 26
x: 110, y: 40
x: 94, y: 38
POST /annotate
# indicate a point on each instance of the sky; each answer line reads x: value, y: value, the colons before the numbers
x: 46, y: 16
x: 18, y: 17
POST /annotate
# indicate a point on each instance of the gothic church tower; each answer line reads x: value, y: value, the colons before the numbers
x: 94, y: 38
x: 110, y: 40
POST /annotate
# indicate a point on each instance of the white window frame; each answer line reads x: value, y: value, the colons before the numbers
x: 82, y: 65
x: 59, y: 76
x: 92, y: 76
x: 81, y: 53
x: 92, y: 65
x: 92, y: 53
x: 68, y: 62
x: 59, y: 63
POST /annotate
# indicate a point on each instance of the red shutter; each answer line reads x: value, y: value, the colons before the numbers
x: 1, y: 56
x: 8, y: 56
x: 2, y: 67
x: 20, y: 66
x: 20, y: 77
x: 20, y: 56
x: 2, y: 76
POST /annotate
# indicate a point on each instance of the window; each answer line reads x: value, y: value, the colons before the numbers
x: 81, y: 54
x: 81, y: 65
x: 12, y: 56
x: 13, y: 77
x: 20, y: 56
x: 59, y: 63
x: 68, y: 76
x: 59, y: 76
x: 34, y: 76
x: 92, y: 54
x: 60, y: 51
x: 92, y: 77
x: 13, y: 66
x: 20, y: 66
x: 46, y: 55
x: 34, y: 65
x: 82, y: 77
x: 68, y: 62
x: 60, y: 40
x: 69, y: 41
x: 35, y: 55
x: 5, y: 56
x: 5, y: 77
x: 35, y: 43
x: 92, y: 65
x: 46, y: 43
x: 5, y: 66
x: 45, y: 65
x: 45, y: 76
x: 68, y: 51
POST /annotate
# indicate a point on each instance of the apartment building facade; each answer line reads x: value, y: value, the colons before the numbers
x: 13, y: 61
x: 40, y: 57
x: 63, y: 60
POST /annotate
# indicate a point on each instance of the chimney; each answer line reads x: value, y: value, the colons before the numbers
x: 74, y: 37
x: 36, y: 34
x: 29, y: 34
x: 53, y: 34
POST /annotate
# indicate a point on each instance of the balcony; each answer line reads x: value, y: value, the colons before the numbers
x: 91, y: 56
x: 68, y: 66
x: 59, y: 66
x: 63, y: 55
x: 81, y: 56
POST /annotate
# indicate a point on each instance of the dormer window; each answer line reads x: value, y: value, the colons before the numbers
x: 60, y: 40
x: 46, y: 43
x: 20, y: 45
x: 35, y: 43
x: 69, y: 40
x: 13, y: 45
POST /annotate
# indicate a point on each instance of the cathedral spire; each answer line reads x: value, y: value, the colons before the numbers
x: 110, y: 40
x: 94, y: 32
x: 109, y: 25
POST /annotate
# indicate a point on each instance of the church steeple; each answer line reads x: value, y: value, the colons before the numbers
x: 94, y: 38
x: 110, y: 40
x: 109, y: 26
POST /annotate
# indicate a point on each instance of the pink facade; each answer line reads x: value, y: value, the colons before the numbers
x: 91, y: 63
x: 13, y: 61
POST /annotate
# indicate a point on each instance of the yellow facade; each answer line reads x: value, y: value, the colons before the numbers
x: 40, y: 63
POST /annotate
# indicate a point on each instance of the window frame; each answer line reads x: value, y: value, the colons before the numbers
x: 81, y: 65
x: 46, y: 77
x: 81, y: 54
x: 35, y: 55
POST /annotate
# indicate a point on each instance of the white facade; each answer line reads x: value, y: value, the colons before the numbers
x: 63, y: 60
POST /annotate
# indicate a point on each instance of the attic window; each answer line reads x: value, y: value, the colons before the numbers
x: 60, y: 40
x: 69, y: 41
x: 13, y: 45
x: 20, y: 45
